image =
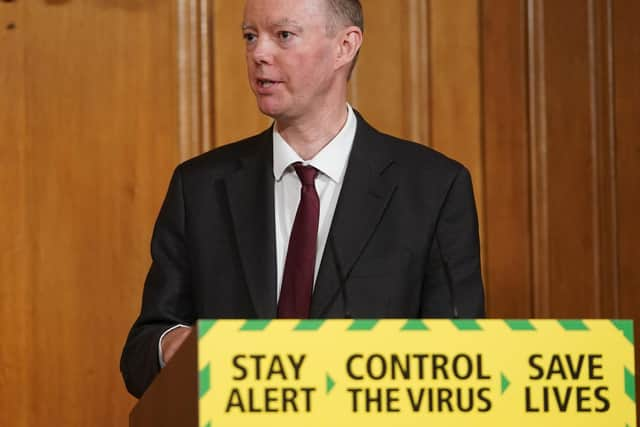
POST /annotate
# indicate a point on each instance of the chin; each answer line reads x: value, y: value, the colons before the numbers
x: 270, y: 109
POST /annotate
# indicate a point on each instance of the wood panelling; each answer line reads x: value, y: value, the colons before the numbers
x: 417, y: 91
x: 506, y: 159
x: 15, y: 294
x: 102, y: 131
x: 572, y: 145
x: 569, y: 159
x: 89, y: 100
x: 455, y: 82
x: 236, y: 115
x: 538, y: 141
x: 626, y: 63
x: 100, y: 100
x: 603, y: 128
x: 194, y: 49
x: 455, y: 106
x: 383, y: 69
x: 627, y: 114
x: 390, y: 84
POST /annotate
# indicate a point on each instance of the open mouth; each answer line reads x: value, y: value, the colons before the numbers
x: 263, y: 83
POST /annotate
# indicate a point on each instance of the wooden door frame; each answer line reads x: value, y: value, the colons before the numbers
x: 195, y: 56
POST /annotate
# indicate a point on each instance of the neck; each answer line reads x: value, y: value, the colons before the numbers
x: 307, y: 135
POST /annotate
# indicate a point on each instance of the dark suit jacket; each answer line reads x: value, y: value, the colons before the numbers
x: 403, y: 243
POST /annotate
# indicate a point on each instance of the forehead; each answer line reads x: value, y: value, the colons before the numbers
x: 284, y: 12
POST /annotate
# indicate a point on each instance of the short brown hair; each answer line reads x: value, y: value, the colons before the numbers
x: 345, y: 12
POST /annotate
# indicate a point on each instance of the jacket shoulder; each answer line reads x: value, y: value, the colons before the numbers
x: 420, y: 158
x: 227, y: 158
x: 409, y: 155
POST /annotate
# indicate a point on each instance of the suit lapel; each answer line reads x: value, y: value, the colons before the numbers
x: 366, y: 192
x: 250, y: 193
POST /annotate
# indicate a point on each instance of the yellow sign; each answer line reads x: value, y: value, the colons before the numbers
x: 416, y: 373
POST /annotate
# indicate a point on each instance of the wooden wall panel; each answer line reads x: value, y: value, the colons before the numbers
x: 194, y: 48
x: 626, y: 61
x: 102, y: 130
x: 89, y: 154
x: 236, y: 114
x: 417, y: 89
x: 565, y: 148
x: 455, y: 105
x: 603, y: 128
x: 506, y: 159
x: 538, y: 98
x: 627, y: 112
x: 381, y: 79
x: 455, y: 81
x: 15, y: 295
x: 537, y: 159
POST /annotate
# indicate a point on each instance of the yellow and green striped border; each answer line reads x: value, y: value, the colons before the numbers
x: 625, y: 326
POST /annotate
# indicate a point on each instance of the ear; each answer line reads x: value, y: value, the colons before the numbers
x: 349, y: 42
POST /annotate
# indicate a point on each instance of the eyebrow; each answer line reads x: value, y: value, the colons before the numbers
x: 284, y: 22
x: 287, y: 22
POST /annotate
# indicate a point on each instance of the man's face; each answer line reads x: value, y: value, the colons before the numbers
x: 291, y: 60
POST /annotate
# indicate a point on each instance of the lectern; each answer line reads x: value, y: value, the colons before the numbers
x: 397, y: 372
x: 172, y: 399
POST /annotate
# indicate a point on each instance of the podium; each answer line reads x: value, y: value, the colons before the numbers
x: 172, y: 398
x: 400, y: 372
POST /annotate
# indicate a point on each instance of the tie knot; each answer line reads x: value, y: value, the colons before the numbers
x: 307, y: 174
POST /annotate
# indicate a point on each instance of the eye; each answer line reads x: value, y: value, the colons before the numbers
x: 285, y: 35
x: 249, y: 37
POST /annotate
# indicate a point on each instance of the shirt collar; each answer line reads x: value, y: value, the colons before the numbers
x: 331, y: 160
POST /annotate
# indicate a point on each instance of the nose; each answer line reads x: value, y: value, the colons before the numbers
x: 261, y: 52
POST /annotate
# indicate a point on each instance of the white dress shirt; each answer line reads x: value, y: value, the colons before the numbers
x: 331, y: 163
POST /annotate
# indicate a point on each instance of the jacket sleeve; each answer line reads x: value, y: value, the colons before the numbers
x: 453, y: 281
x: 167, y: 297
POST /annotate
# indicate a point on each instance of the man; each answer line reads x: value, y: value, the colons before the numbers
x: 319, y: 216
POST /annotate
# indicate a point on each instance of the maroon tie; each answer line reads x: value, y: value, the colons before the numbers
x: 299, y: 267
